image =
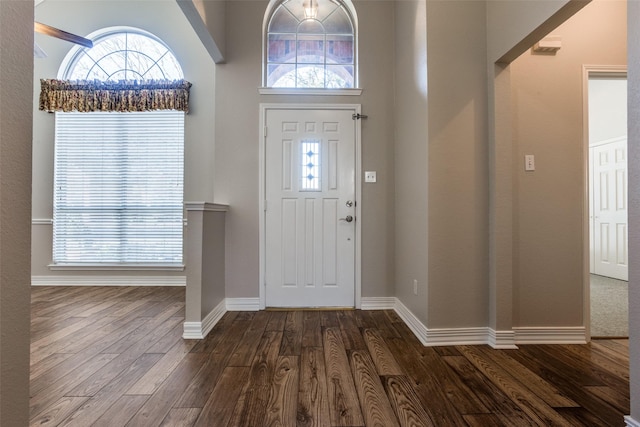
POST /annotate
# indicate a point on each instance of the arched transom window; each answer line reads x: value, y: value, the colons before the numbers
x: 310, y: 44
x: 124, y: 55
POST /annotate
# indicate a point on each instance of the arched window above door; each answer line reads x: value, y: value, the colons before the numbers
x: 310, y: 44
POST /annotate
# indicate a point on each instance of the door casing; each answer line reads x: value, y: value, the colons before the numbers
x: 587, y: 71
x: 356, y: 108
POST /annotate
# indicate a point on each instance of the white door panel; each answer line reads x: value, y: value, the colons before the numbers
x: 310, y: 178
x: 610, y: 257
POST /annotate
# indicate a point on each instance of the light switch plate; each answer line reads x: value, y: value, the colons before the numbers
x: 529, y: 162
x: 370, y: 176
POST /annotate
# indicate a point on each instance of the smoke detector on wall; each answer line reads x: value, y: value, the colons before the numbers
x: 549, y: 44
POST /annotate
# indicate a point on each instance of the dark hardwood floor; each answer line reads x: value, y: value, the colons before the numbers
x: 114, y: 356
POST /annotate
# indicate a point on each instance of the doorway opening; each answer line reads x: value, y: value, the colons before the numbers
x: 606, y: 143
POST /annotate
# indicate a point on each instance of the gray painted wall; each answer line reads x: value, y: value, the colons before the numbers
x: 547, y: 109
x: 16, y: 66
x: 411, y: 156
x: 458, y: 164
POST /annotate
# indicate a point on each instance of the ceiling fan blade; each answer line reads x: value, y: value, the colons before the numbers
x: 63, y: 35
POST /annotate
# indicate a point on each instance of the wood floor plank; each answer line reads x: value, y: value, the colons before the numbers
x: 566, y: 379
x: 56, y: 343
x: 292, y: 334
x: 100, y: 403
x: 375, y: 405
x: 122, y: 361
x: 70, y: 364
x: 530, y: 403
x: 181, y: 417
x: 209, y: 343
x: 203, y: 384
x: 351, y: 335
x: 427, y: 382
x: 150, y: 382
x: 219, y: 407
x: 248, y: 345
x: 537, y: 385
x: 48, y: 395
x: 252, y: 403
x: 405, y: 403
x: 121, y: 412
x: 276, y: 321
x: 160, y: 403
x: 620, y: 401
x: 47, y: 363
x: 311, y: 329
x: 282, y: 406
x: 303, y: 368
x: 134, y: 338
x: 58, y: 411
x: 313, y: 406
x: 483, y: 420
x: 382, y: 357
x: 492, y: 397
x: 344, y: 407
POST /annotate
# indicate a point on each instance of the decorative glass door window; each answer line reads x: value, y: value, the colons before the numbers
x: 310, y: 170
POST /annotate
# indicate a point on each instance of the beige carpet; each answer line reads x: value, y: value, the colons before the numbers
x: 609, y: 307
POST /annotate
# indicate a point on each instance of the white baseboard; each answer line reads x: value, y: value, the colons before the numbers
x: 192, y: 331
x: 199, y: 330
x: 417, y: 327
x: 242, y: 304
x: 631, y: 422
x: 484, y: 335
x: 551, y: 335
x: 502, y: 340
x: 108, y: 280
x: 378, y: 303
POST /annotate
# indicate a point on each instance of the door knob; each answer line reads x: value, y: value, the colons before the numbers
x: 349, y: 218
x: 349, y: 203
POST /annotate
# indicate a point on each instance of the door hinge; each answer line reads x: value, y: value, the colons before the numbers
x: 359, y: 116
x: 265, y: 131
x: 265, y: 205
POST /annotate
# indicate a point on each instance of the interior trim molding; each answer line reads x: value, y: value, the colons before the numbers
x: 42, y: 221
x: 502, y: 340
x: 378, y: 303
x: 308, y: 91
x: 483, y: 335
x: 242, y: 304
x: 631, y: 422
x: 199, y: 330
x: 192, y: 331
x: 551, y: 335
x: 417, y: 327
x: 108, y: 281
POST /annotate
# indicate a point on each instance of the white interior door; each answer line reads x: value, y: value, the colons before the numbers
x: 310, y: 208
x: 609, y: 204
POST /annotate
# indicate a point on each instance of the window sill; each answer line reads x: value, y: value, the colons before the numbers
x: 116, y: 267
x: 315, y: 92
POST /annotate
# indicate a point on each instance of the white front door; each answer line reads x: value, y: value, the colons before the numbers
x: 310, y: 210
x: 609, y: 204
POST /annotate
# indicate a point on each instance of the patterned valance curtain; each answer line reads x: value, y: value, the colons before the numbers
x: 124, y: 96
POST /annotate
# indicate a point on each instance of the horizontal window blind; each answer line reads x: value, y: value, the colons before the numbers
x: 118, y: 196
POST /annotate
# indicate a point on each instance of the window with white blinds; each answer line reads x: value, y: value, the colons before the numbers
x: 118, y: 196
